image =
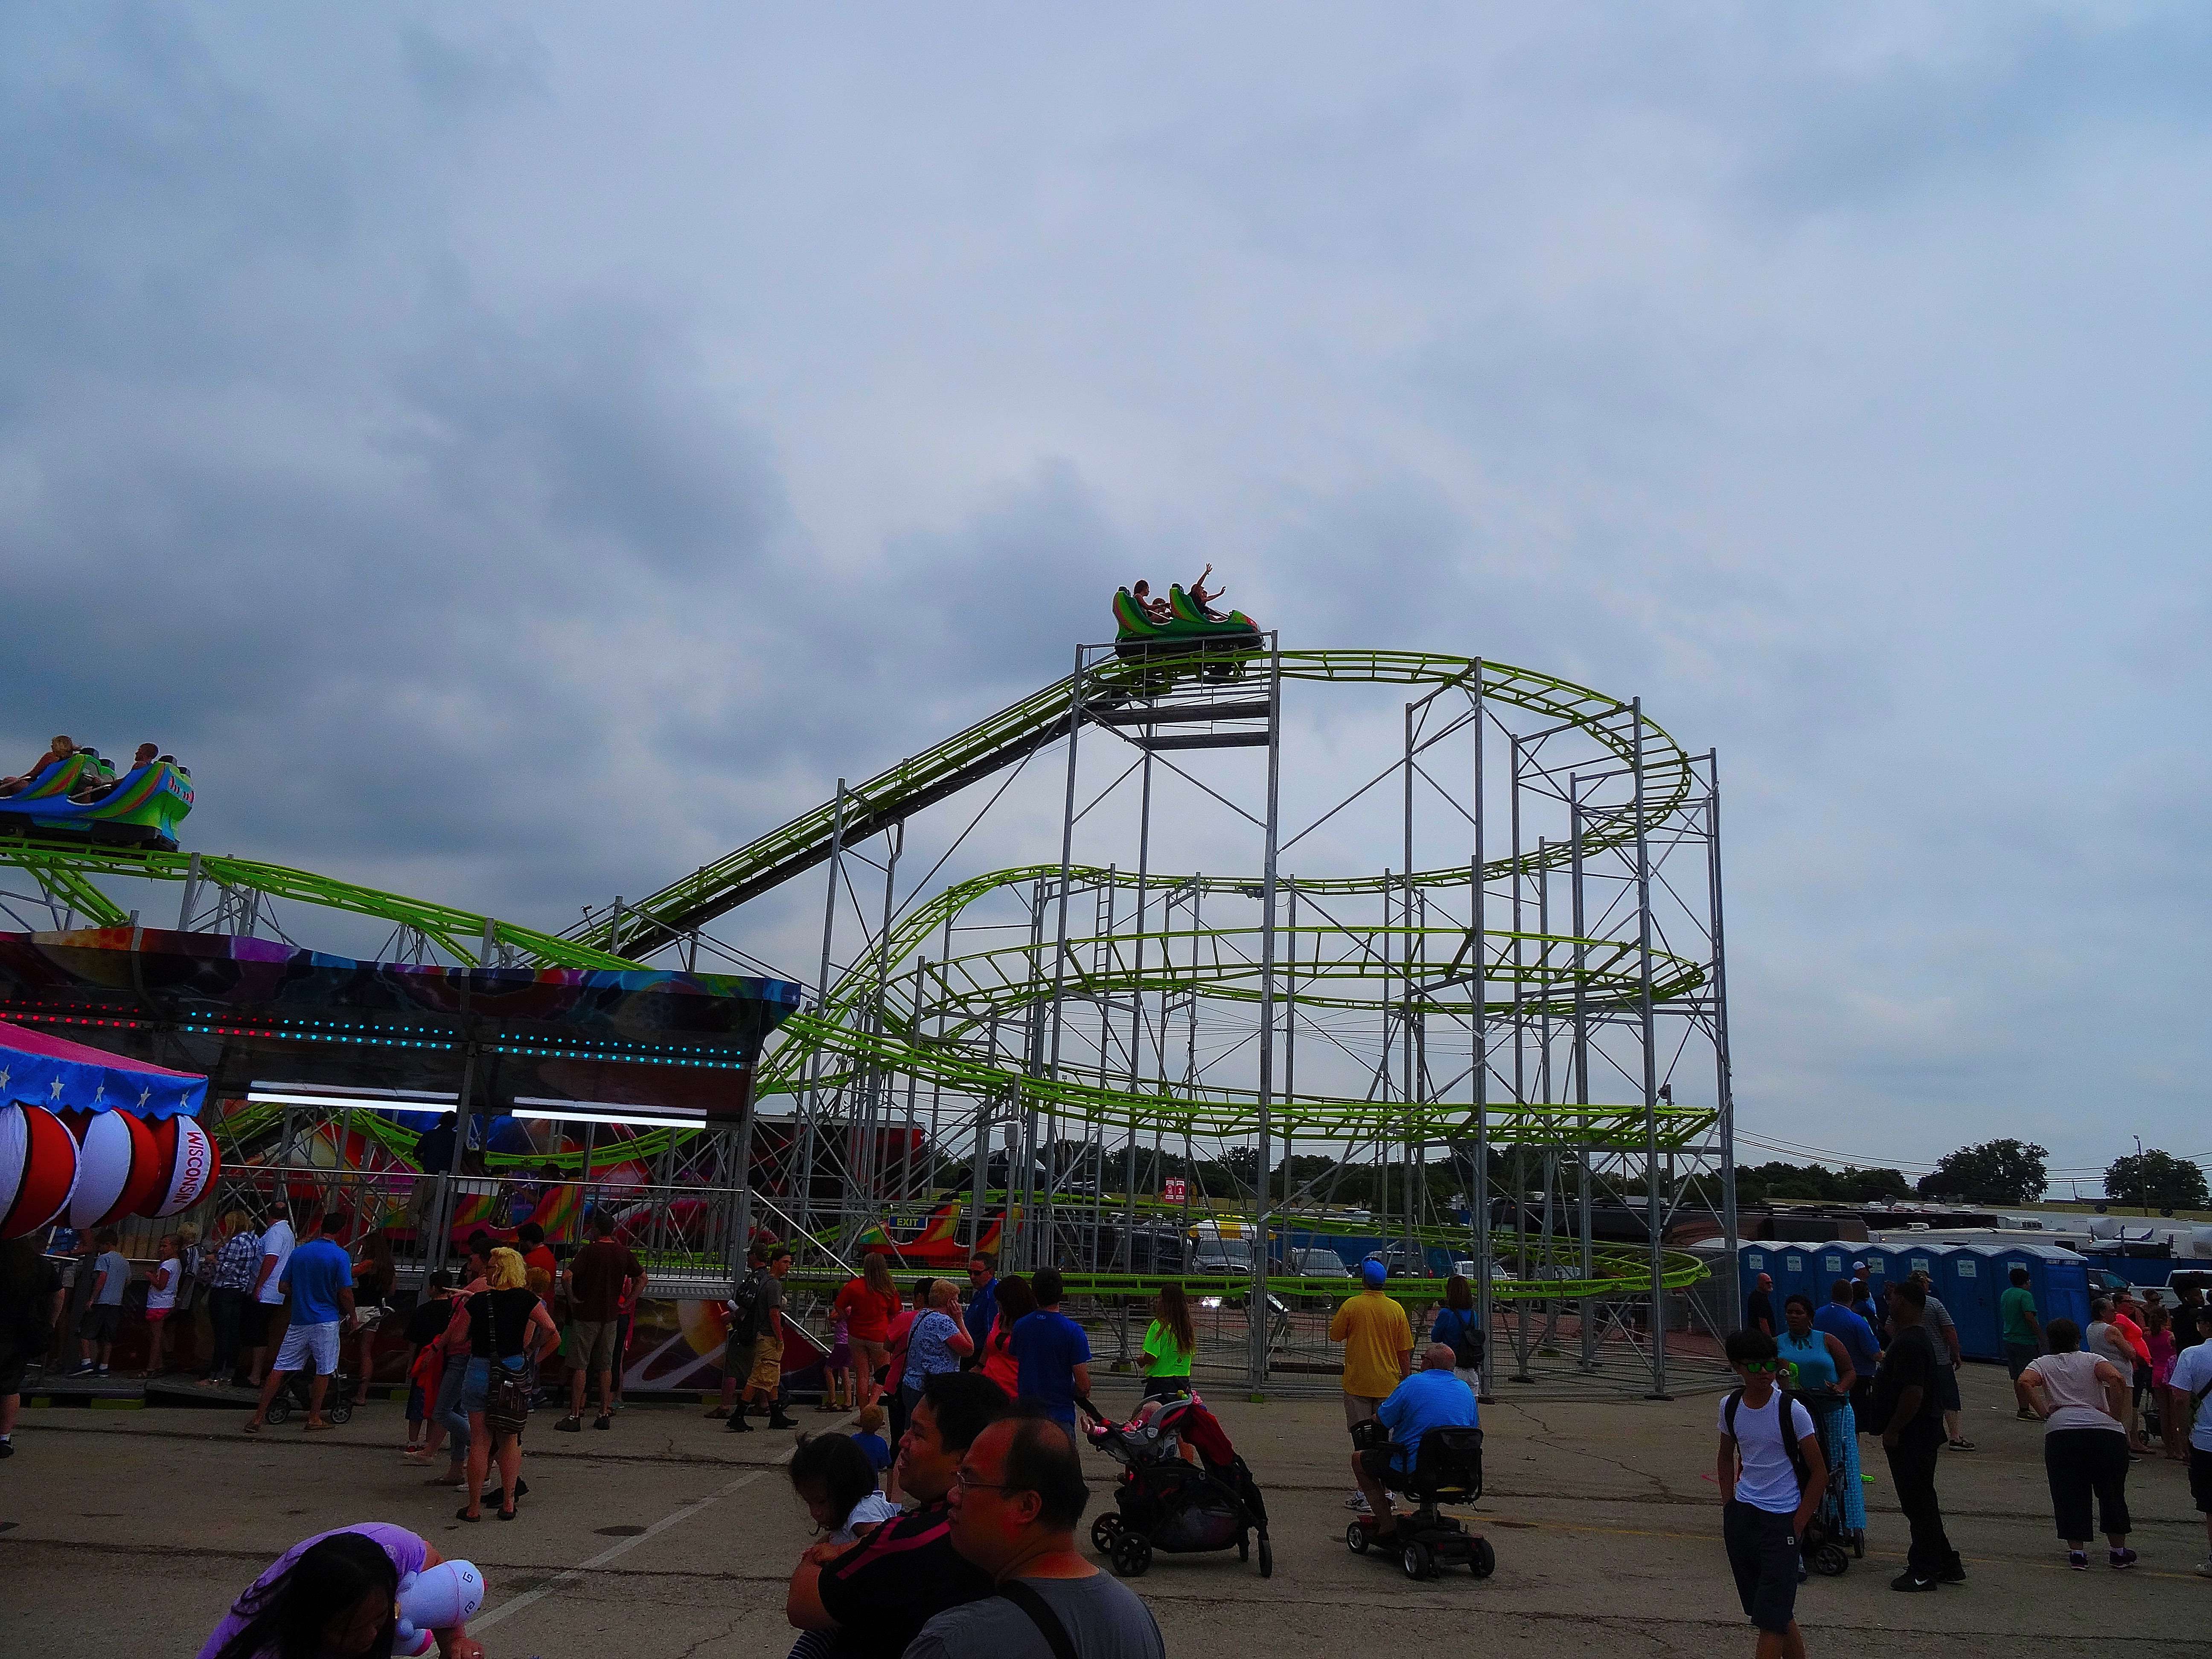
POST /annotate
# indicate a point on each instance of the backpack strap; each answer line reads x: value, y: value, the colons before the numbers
x: 1041, y: 1615
x: 1784, y: 1422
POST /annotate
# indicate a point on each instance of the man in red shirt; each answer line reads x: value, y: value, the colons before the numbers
x: 602, y: 1279
x: 529, y: 1238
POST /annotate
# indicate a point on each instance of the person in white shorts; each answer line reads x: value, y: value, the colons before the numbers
x: 319, y: 1277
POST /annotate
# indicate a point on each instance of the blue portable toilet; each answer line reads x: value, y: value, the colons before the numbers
x: 1969, y: 1280
x: 2057, y: 1278
x: 1830, y: 1263
x: 1790, y: 1264
x: 1752, y: 1259
x: 1889, y: 1263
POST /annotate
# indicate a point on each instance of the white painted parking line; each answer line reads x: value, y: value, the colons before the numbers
x: 616, y: 1551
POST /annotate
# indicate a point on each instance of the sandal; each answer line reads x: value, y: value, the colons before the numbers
x: 250, y: 1426
x: 505, y: 1515
x: 462, y: 1514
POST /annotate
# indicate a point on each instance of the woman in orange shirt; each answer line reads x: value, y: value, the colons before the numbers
x: 868, y: 1304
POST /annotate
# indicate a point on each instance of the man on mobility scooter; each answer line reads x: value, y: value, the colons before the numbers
x: 1433, y: 1454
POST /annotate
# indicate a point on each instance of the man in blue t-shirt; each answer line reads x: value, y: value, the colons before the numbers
x: 319, y: 1278
x: 1838, y: 1321
x: 1054, y: 1353
x: 1431, y: 1398
x: 982, y: 1303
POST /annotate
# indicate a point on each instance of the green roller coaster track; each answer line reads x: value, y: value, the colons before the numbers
x: 923, y: 1025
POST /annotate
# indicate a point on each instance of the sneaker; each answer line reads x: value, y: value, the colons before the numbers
x: 1962, y: 1445
x: 1953, y: 1574
x: 2078, y: 1560
x: 2026, y: 1416
x: 737, y: 1424
x: 1358, y: 1501
x: 776, y: 1419
x: 570, y: 1425
x: 603, y: 1421
x: 85, y: 1369
x: 6, y: 1449
x: 2204, y: 1568
x: 2120, y: 1560
x: 1905, y: 1581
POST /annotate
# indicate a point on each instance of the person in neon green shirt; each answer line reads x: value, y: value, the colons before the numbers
x: 1170, y: 1343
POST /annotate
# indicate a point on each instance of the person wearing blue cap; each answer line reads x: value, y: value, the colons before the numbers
x: 1378, y: 1350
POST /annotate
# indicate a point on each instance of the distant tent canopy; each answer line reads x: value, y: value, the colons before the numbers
x: 39, y: 1070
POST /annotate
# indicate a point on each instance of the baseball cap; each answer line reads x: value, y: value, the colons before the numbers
x: 1373, y: 1272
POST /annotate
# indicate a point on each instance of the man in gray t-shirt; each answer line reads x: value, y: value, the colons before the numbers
x: 1014, y: 1505
x: 1943, y: 1335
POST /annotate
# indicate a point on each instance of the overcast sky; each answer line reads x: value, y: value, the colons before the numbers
x: 515, y: 455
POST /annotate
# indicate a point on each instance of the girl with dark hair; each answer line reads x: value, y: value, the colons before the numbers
x: 837, y: 1481
x: 1170, y: 1343
x: 1015, y: 1300
x: 1458, y: 1329
x: 335, y: 1596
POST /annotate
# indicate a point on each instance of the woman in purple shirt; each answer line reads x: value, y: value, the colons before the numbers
x: 335, y: 1596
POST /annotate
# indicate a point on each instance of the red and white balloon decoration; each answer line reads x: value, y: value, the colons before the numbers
x: 186, y: 1163
x: 119, y: 1168
x: 39, y: 1165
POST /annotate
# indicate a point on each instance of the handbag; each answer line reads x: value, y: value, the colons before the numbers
x: 507, y: 1402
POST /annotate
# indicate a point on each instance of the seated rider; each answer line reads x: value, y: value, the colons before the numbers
x: 60, y: 750
x: 1431, y: 1398
x: 1203, y: 599
x: 1158, y: 610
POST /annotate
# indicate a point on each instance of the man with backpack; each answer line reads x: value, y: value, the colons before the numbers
x: 2189, y: 1384
x: 1771, y: 1476
x: 755, y: 1349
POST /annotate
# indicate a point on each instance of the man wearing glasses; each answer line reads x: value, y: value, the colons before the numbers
x: 1016, y: 1501
x: 1766, y: 1503
x: 873, y: 1598
x: 982, y: 1305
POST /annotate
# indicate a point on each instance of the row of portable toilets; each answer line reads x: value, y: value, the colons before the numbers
x: 1968, y: 1277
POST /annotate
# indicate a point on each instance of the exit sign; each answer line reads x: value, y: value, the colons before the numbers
x: 1174, y: 1191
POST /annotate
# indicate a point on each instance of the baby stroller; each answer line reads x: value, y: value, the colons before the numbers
x: 1162, y: 1502
x: 1448, y: 1469
x: 1826, y: 1539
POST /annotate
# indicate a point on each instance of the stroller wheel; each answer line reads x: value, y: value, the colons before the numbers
x: 1103, y: 1531
x: 1356, y: 1539
x: 339, y: 1410
x: 1266, y: 1560
x: 1486, y: 1558
x: 1420, y: 1561
x: 1132, y: 1554
x: 1244, y: 1549
x: 1830, y: 1561
x: 280, y: 1410
x: 1858, y: 1544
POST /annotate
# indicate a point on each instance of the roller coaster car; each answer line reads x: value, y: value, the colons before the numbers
x: 1192, y: 633
x: 141, y: 808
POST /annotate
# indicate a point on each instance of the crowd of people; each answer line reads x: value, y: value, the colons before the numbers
x: 94, y: 784
x: 957, y: 1526
x: 1886, y: 1366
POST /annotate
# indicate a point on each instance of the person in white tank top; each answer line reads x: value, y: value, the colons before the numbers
x: 2080, y: 1396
